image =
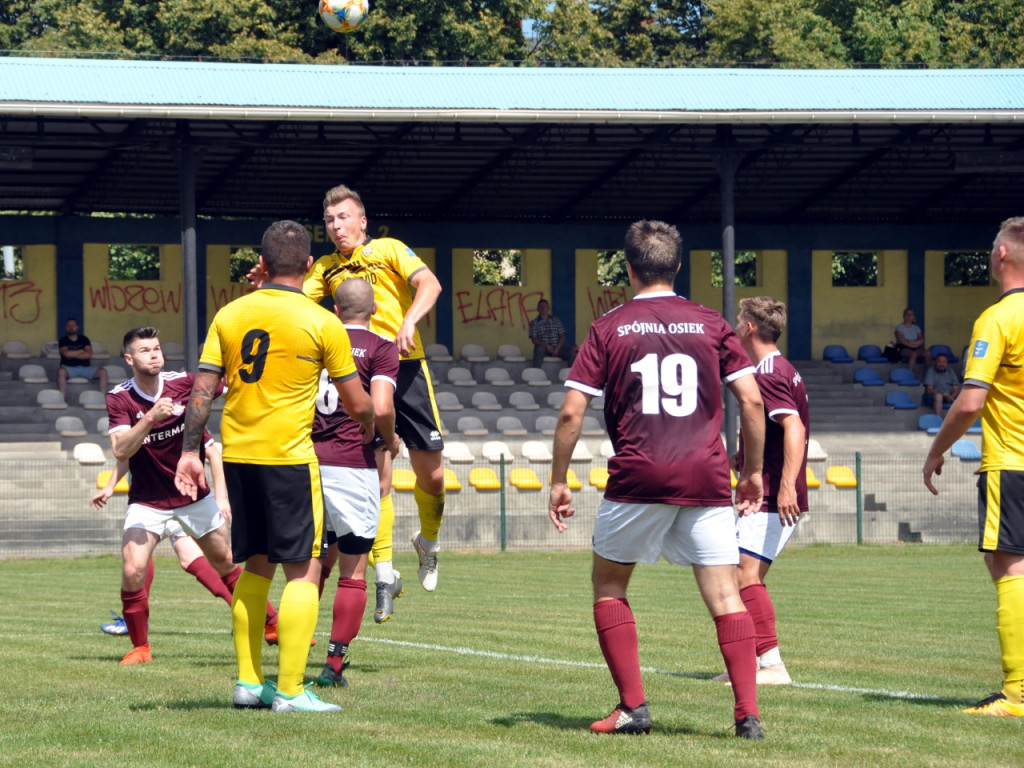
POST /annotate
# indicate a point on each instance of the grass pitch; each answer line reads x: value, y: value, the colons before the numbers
x: 501, y: 666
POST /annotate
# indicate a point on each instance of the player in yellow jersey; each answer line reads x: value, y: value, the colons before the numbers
x: 272, y: 345
x: 994, y: 388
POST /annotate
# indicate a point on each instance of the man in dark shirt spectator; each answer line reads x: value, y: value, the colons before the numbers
x: 548, y: 336
x: 76, y: 358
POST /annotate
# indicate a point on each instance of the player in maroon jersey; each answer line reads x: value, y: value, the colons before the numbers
x: 660, y: 360
x: 787, y: 426
x: 147, y: 415
x: 349, y: 468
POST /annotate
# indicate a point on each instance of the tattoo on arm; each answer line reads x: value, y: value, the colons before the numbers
x: 199, y: 406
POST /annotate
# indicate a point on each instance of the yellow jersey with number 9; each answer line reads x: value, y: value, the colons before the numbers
x: 386, y: 264
x: 272, y: 344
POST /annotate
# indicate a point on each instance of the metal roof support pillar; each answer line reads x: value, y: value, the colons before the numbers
x: 188, y: 164
x: 727, y: 160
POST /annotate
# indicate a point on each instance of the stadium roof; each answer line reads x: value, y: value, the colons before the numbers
x: 80, y: 135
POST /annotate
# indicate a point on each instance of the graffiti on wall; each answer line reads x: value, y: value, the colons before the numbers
x: 19, y: 301
x: 603, y: 299
x: 502, y: 306
x: 219, y: 295
x: 135, y: 297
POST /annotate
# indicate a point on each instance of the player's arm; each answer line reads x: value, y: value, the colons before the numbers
x: 749, y: 487
x: 357, y: 404
x: 382, y: 393
x: 220, y: 488
x: 962, y: 413
x: 125, y: 443
x: 793, y: 439
x: 567, y: 433
x: 102, y: 497
x: 427, y: 288
x: 190, y: 475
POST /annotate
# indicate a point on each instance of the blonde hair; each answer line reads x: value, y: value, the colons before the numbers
x: 768, y: 315
x: 340, y: 194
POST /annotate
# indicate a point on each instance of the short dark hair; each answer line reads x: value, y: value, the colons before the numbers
x: 768, y: 315
x: 144, y: 332
x: 285, y: 248
x: 653, y: 251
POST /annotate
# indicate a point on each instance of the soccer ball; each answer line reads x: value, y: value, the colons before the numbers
x: 344, y: 15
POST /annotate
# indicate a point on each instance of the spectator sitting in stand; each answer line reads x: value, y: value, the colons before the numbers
x: 941, y: 385
x: 548, y: 336
x: 910, y: 340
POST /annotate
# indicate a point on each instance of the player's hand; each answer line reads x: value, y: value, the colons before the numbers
x: 749, y: 493
x: 558, y: 505
x: 162, y: 408
x: 99, y: 500
x: 932, y: 466
x: 789, y: 510
x: 394, y: 446
x: 190, y: 475
x: 257, y: 276
x: 369, y: 431
x: 224, y: 506
x: 406, y: 338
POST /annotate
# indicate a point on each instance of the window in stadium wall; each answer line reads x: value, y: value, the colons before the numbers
x: 746, y: 269
x: 133, y: 262
x: 243, y: 258
x: 961, y: 268
x: 611, y: 268
x: 498, y: 266
x: 854, y: 269
x: 14, y: 265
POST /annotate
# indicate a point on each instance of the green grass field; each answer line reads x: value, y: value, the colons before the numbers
x: 501, y: 666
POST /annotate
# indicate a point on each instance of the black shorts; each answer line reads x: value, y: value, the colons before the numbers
x: 1001, y: 511
x: 417, y: 421
x: 277, y: 510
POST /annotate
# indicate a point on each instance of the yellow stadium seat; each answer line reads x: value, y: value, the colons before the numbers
x: 403, y: 479
x: 525, y: 479
x: 451, y: 480
x: 104, y: 477
x: 812, y: 479
x: 599, y: 477
x: 484, y: 479
x: 570, y: 479
x: 732, y: 479
x: 841, y: 476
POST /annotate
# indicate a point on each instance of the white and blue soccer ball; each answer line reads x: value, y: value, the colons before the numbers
x: 344, y: 15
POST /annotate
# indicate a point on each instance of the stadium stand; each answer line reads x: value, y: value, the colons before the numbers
x: 599, y: 477
x: 535, y: 377
x: 438, y: 353
x: 812, y: 479
x: 494, y: 450
x: 70, y: 426
x: 16, y: 350
x: 942, y: 349
x: 458, y: 452
x: 581, y: 453
x: 929, y: 422
x: 100, y: 351
x: 597, y: 403
x: 523, y: 401
x: 545, y: 425
x: 871, y: 353
x: 900, y: 400
x: 115, y: 374
x: 102, y: 425
x: 89, y: 453
x: 836, y: 353
x: 555, y: 399
x: 498, y: 377
x: 511, y: 426
x: 103, y: 477
x: 51, y: 350
x: 451, y: 480
x: 403, y: 479
x: 461, y: 377
x: 563, y: 374
x: 607, y: 450
x: 471, y: 426
x: 904, y: 377
x: 814, y: 450
x: 474, y: 353
x: 92, y: 400
x: 33, y: 374
x: 447, y: 401
x: 591, y: 427
x: 570, y: 479
x: 511, y: 353
x: 975, y: 428
x: 536, y: 451
x: 485, y: 401
x: 868, y: 377
x: 172, y: 350
x: 966, y: 450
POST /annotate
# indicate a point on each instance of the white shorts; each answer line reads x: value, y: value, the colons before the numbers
x: 641, y: 533
x: 762, y: 535
x: 351, y: 500
x: 198, y: 518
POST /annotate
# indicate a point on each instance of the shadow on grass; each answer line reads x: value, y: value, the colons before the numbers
x: 555, y: 720
x: 926, y: 701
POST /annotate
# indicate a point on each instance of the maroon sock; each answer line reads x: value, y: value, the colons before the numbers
x: 736, y: 640
x: 616, y: 632
x: 349, y: 603
x: 206, y: 575
x: 150, y: 572
x: 759, y: 604
x: 325, y: 571
x: 135, y: 609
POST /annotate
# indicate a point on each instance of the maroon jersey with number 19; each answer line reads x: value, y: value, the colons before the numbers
x: 660, y: 361
x: 338, y: 440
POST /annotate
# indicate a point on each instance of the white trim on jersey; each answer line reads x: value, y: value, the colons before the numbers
x: 584, y: 388
x: 748, y: 371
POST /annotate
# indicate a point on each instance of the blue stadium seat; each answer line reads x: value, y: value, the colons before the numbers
x: 966, y: 450
x: 936, y: 349
x: 975, y: 428
x: 868, y: 377
x: 930, y: 423
x: 900, y: 400
x: 871, y: 353
x: 836, y: 353
x: 904, y: 377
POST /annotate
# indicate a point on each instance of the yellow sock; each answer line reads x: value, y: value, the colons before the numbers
x: 383, y: 544
x: 296, y: 622
x: 248, y: 615
x: 1010, y: 622
x: 431, y: 509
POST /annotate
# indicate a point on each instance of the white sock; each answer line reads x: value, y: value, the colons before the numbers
x: 768, y: 658
x: 385, y: 572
